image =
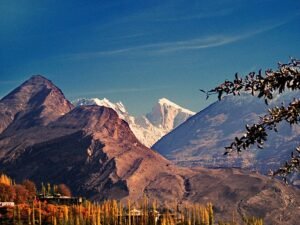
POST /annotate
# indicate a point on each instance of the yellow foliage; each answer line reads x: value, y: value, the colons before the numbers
x: 5, y: 180
x: 114, y: 213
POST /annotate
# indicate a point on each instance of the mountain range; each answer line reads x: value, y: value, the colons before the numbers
x: 149, y: 128
x: 46, y: 139
x: 200, y: 141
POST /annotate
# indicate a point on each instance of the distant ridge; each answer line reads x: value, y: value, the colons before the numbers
x: 165, y: 116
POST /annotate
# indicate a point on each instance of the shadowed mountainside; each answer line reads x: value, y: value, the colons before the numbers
x: 200, y: 141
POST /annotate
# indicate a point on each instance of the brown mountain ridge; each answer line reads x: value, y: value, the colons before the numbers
x: 89, y: 148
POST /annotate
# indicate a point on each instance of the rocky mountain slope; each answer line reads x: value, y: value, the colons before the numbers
x: 200, y: 141
x: 163, y: 118
x: 93, y: 151
x: 33, y: 101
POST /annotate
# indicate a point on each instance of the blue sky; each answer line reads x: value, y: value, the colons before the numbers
x: 139, y: 51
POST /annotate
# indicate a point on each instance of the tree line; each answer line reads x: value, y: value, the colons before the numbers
x: 30, y: 211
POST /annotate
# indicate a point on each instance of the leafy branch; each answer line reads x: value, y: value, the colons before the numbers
x: 263, y: 86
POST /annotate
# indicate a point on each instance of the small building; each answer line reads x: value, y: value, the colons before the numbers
x: 135, y: 212
x: 137, y: 216
x: 60, y: 200
x: 7, y: 204
x: 5, y: 207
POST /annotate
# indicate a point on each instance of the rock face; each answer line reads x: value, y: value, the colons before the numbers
x: 200, y: 141
x: 31, y: 104
x: 90, y: 149
x: 148, y: 129
x: 93, y: 151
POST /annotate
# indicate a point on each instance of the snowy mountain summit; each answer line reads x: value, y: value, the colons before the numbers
x: 164, y: 117
x: 168, y: 115
x: 118, y: 107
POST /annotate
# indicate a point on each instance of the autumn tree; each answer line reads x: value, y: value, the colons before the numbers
x: 286, y: 77
x: 64, y: 190
x: 31, y: 188
x: 22, y: 194
x: 4, y: 179
x: 7, y: 193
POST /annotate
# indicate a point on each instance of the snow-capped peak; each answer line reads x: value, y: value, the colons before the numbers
x: 165, y: 116
x: 168, y: 115
x: 165, y: 101
x: 118, y: 106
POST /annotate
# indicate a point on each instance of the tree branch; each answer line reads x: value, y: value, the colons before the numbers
x: 257, y: 133
x: 286, y: 77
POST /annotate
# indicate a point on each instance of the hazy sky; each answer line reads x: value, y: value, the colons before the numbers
x: 139, y: 51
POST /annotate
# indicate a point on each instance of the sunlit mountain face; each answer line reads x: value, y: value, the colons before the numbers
x: 94, y: 152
